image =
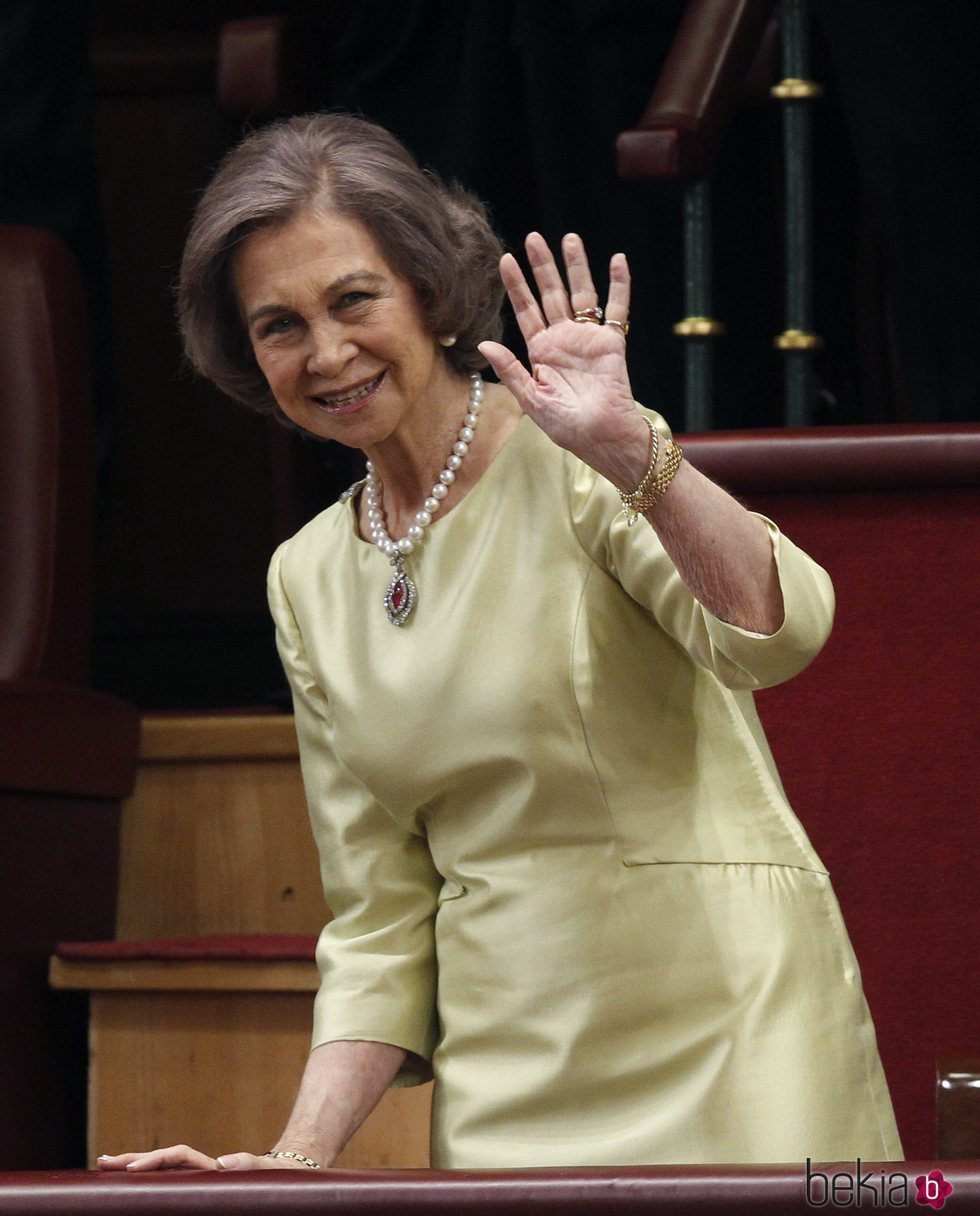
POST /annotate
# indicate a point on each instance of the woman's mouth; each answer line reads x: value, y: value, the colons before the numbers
x: 348, y: 400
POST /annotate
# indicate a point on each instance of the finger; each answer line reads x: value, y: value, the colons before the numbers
x: 243, y: 1161
x: 551, y: 287
x: 618, y: 300
x: 177, y: 1157
x: 512, y: 373
x: 117, y: 1161
x: 522, y: 299
x: 122, y: 1161
x: 581, y: 288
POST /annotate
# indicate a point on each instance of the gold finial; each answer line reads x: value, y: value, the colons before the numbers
x: 797, y: 339
x: 794, y: 89
x: 698, y: 327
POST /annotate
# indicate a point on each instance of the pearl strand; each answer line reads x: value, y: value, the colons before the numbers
x: 397, y: 549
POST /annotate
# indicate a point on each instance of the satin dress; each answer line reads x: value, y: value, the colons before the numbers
x: 563, y: 872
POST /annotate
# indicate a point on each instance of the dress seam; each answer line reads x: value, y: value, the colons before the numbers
x: 597, y: 778
x: 768, y: 865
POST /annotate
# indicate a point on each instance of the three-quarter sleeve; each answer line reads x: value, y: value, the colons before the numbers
x: 636, y: 558
x: 376, y: 955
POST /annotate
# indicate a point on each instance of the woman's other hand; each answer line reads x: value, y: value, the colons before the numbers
x: 183, y: 1157
x: 578, y: 389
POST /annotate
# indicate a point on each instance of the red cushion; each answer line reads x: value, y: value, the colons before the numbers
x: 60, y: 739
x: 47, y: 477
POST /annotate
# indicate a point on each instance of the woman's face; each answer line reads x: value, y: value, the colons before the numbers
x: 337, y: 334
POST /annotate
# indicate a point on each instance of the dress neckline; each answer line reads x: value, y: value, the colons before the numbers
x: 488, y: 475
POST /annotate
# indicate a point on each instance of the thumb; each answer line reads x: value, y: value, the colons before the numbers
x: 509, y: 369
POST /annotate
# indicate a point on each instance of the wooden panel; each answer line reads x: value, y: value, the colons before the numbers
x: 222, y: 975
x: 214, y: 842
x: 218, y: 737
x: 220, y: 1071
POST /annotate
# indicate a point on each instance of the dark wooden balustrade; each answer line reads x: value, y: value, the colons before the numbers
x: 695, y: 97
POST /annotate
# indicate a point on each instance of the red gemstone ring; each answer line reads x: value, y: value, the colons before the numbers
x: 591, y: 315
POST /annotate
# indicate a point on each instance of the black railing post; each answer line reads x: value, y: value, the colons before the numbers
x: 798, y: 340
x: 698, y: 328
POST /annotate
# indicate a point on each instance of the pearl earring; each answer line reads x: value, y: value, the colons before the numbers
x: 448, y: 340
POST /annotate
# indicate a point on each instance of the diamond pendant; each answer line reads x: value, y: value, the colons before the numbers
x: 400, y: 596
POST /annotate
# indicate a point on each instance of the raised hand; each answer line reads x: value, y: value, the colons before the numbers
x: 578, y: 389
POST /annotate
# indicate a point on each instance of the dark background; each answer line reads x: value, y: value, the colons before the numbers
x: 110, y: 127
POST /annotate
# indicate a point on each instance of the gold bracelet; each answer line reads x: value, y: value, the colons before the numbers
x: 291, y: 1156
x: 630, y: 500
x: 658, y: 488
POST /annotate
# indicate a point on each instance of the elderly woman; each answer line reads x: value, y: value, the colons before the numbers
x: 564, y: 876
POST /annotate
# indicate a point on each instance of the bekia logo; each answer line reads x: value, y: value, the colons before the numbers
x: 933, y: 1189
x: 866, y: 1188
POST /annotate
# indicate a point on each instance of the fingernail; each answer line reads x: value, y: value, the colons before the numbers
x: 220, y: 1163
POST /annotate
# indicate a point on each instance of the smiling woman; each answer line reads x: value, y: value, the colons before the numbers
x: 564, y: 877
x: 337, y: 334
x: 434, y: 237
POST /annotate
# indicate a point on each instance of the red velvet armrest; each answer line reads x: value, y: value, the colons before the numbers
x: 617, y: 1191
x: 60, y: 739
x: 839, y: 458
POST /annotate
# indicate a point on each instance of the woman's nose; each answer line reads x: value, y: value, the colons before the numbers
x: 331, y: 349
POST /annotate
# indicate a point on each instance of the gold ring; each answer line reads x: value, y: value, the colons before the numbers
x: 623, y: 325
x: 592, y: 315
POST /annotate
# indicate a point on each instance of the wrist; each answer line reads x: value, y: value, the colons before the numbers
x: 293, y: 1158
x: 642, y: 493
x: 626, y: 461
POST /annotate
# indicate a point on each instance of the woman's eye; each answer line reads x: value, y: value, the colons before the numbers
x: 277, y: 326
x: 351, y: 299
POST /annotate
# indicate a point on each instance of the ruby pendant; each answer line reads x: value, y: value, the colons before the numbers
x: 400, y: 596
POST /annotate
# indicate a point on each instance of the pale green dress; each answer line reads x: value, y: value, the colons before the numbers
x: 563, y: 871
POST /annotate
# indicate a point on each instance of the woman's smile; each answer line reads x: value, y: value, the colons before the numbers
x: 349, y: 400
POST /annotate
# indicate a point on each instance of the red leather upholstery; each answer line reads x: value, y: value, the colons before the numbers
x: 276, y: 64
x: 680, y: 1190
x: 46, y: 463
x: 877, y: 740
x: 958, y: 1106
x: 61, y: 739
x: 67, y: 754
x: 839, y: 458
x: 56, y: 735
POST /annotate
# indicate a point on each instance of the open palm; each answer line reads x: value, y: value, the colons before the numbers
x: 578, y: 388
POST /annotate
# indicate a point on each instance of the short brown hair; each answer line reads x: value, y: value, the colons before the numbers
x: 435, y: 236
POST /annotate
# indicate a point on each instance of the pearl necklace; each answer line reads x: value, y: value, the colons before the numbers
x: 401, y: 596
